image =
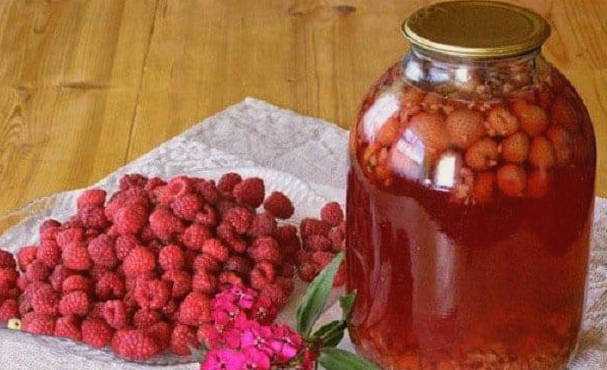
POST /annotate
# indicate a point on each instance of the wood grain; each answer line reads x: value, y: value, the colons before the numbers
x: 86, y: 86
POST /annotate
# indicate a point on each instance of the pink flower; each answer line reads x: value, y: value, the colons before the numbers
x: 285, y: 343
x: 225, y: 312
x: 259, y: 337
x: 213, y: 337
x: 245, y: 298
x: 256, y: 359
x: 224, y: 359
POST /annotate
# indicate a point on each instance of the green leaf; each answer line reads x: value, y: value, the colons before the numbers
x: 316, y: 296
x: 346, y: 302
x: 329, y: 335
x: 338, y: 359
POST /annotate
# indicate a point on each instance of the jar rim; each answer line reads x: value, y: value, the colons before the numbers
x: 476, y: 29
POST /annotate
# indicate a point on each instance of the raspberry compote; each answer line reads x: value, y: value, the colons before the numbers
x: 468, y: 215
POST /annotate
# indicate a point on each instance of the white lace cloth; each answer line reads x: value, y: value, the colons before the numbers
x: 305, y: 157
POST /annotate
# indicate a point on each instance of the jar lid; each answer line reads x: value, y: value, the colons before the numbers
x: 476, y: 29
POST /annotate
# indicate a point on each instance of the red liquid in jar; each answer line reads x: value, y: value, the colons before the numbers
x: 462, y: 273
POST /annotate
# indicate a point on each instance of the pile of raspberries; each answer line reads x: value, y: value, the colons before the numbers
x: 138, y: 272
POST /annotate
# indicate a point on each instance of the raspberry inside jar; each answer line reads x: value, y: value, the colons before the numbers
x: 470, y: 198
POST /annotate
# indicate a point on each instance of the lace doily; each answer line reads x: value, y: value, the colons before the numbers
x: 303, y: 156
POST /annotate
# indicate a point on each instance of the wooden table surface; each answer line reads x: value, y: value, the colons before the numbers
x: 87, y: 86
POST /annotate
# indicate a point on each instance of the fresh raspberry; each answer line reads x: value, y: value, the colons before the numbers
x: 224, y: 206
x: 6, y: 259
x: 171, y: 258
x: 312, y: 226
x: 96, y: 332
x: 208, y: 190
x: 186, y: 206
x: 24, y: 307
x: 91, y: 197
x: 277, y: 293
x: 9, y: 309
x: 68, y: 327
x: 72, y: 223
x: 240, y: 218
x: 146, y: 317
x: 132, y: 180
x: 337, y: 238
x: 164, y: 224
x: 68, y: 236
x: 195, y: 236
x: 188, y: 258
x: 216, y: 249
x: 74, y: 283
x: 161, y: 333
x: 317, y: 243
x: 227, y: 182
x: 279, y: 205
x: 130, y: 219
x: 152, y: 293
x: 176, y: 187
x: 43, y: 299
x: 58, y: 276
x: 76, y: 256
x: 36, y: 271
x: 182, y: 338
x: 238, y: 264
x: 50, y: 233
x: 48, y: 253
x: 93, y: 217
x: 48, y: 224
x: 171, y: 310
x: 206, y: 262
x: 332, y: 213
x: 322, y: 259
x: 207, y: 216
x: 230, y: 278
x: 207, y: 335
x: 195, y: 309
x: 286, y: 234
x: 265, y: 248
x: 134, y: 344
x: 96, y: 311
x: 122, y: 198
x: 97, y: 271
x: 308, y: 270
x: 124, y: 244
x: 75, y: 303
x: 250, y: 191
x: 262, y: 274
x: 8, y: 276
x: 110, y: 286
x: 264, y: 224
x: 287, y: 269
x: 38, y: 323
x: 101, y: 251
x: 139, y: 261
x: 204, y: 283
x: 26, y: 255
x: 114, y: 313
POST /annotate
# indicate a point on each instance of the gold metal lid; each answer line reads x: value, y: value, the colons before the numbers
x: 476, y: 29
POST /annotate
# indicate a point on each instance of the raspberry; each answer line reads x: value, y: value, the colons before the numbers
x: 332, y: 214
x: 205, y: 262
x: 48, y: 224
x: 207, y: 216
x: 36, y: 271
x: 152, y: 293
x: 6, y: 259
x: 96, y: 332
x: 204, y: 282
x: 195, y: 309
x: 132, y: 180
x: 279, y: 205
x: 152, y: 184
x: 208, y: 190
x: 207, y: 335
x: 538, y: 184
x: 91, y: 197
x: 182, y: 338
x: 318, y: 243
x: 58, y: 276
x: 139, y: 261
x: 114, y: 313
x: 124, y: 244
x: 308, y: 270
x: 145, y: 318
x: 75, y: 303
x: 68, y: 327
x: 216, y: 249
x: 322, y: 259
x: 125, y: 198
x: 515, y: 148
x: 286, y: 234
x: 465, y: 127
x: 97, y: 271
x: 429, y: 129
x: 533, y: 118
x: 230, y: 278
x: 482, y: 155
x: 562, y: 143
x: 265, y: 248
x: 277, y: 293
x: 186, y: 206
x: 511, y: 180
x: 311, y: 226
x: 130, y: 219
x: 501, y: 122
x: 9, y: 309
x: 264, y: 224
x: 563, y: 113
x: 110, y: 286
x: 170, y: 310
x: 224, y: 206
x: 134, y: 344
x: 101, y: 251
x: 74, y: 283
x: 240, y: 218
x: 161, y: 333
x: 238, y: 264
x: 227, y: 182
x: 38, y: 323
x: 68, y: 236
x: 176, y: 187
x: 337, y: 238
x: 8, y: 276
x: 171, y: 258
x: 262, y: 274
x: 195, y: 235
x: 164, y: 224
x: 250, y: 191
x: 93, y: 217
x: 76, y: 256
x: 26, y: 255
x: 96, y: 311
x: 287, y: 269
x: 44, y: 300
x: 48, y: 253
x: 72, y: 223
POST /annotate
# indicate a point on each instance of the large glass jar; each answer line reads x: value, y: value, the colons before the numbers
x: 470, y: 198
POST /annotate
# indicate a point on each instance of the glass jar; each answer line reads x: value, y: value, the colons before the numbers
x: 470, y: 198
